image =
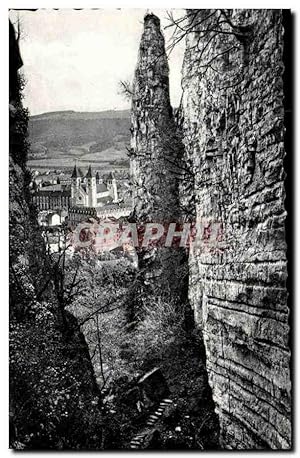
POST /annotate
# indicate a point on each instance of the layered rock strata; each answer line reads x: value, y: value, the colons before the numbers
x: 233, y: 127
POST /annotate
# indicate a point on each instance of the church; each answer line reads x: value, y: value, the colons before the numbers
x: 90, y: 190
x: 86, y: 196
x: 93, y: 197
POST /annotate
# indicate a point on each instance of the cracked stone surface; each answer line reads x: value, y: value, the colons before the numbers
x: 232, y: 116
x: 155, y: 147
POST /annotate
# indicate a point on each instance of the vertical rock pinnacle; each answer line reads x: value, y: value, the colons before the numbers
x: 154, y: 140
x: 155, y: 147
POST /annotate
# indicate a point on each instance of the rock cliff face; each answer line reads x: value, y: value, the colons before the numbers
x: 54, y: 400
x: 232, y: 122
x: 233, y: 127
x: 156, y: 149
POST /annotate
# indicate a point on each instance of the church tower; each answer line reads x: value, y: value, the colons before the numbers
x: 75, y: 183
x: 91, y: 188
x: 112, y: 185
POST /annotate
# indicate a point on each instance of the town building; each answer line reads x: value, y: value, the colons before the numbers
x: 85, y: 196
x: 91, y: 191
x: 53, y: 197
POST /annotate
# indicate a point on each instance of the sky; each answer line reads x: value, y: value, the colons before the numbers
x: 74, y: 59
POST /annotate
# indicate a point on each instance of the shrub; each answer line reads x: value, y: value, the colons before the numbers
x: 162, y: 328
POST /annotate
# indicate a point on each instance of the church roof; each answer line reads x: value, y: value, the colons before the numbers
x: 54, y: 191
x: 53, y: 187
x: 89, y: 173
x: 101, y: 187
x: 77, y: 172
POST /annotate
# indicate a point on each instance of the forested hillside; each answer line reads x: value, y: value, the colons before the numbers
x: 60, y: 137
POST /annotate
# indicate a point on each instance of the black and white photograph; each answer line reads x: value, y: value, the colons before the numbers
x: 151, y: 193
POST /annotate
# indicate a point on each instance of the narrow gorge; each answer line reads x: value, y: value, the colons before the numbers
x: 54, y: 398
x: 231, y: 123
x: 157, y: 345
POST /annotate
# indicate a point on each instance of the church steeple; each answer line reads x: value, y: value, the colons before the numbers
x: 112, y: 185
x: 75, y: 172
x: 91, y: 188
x: 75, y: 184
x: 89, y: 173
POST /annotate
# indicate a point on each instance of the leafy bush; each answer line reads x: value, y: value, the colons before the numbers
x: 162, y: 327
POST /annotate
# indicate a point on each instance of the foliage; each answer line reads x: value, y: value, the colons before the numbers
x: 162, y: 327
x: 125, y: 89
x: 19, y: 116
x: 54, y: 403
x: 206, y: 22
x: 101, y: 309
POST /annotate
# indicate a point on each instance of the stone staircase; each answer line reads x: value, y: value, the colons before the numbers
x: 138, y: 440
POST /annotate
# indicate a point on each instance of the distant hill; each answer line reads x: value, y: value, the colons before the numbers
x: 71, y: 114
x: 60, y: 137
